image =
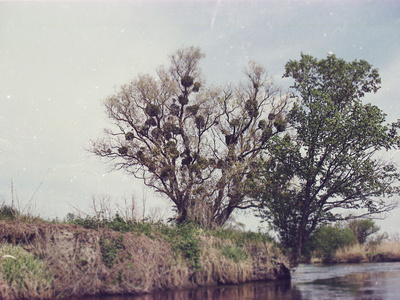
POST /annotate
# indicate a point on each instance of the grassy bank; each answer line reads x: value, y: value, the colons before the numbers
x: 387, y: 251
x: 88, y: 256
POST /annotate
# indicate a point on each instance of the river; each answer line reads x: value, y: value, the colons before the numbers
x: 341, y: 281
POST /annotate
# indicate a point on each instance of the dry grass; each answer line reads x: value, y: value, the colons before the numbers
x: 316, y: 260
x: 388, y: 251
x: 218, y: 268
x: 81, y: 261
x: 351, y: 254
x: 389, y: 247
x: 224, y: 262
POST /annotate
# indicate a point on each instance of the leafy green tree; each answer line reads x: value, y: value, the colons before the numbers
x: 192, y: 143
x: 328, y: 158
x: 362, y: 229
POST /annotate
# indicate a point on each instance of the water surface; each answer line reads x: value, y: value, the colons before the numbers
x: 341, y: 281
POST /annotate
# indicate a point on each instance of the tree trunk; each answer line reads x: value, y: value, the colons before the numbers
x: 296, y: 255
x: 221, y: 218
x: 182, y: 216
x: 298, y: 248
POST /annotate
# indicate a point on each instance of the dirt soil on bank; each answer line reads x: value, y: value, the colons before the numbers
x: 88, y: 262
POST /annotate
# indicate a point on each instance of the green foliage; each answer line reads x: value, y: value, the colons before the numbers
x: 328, y: 161
x: 24, y: 269
x: 8, y: 212
x: 119, y: 278
x: 234, y: 253
x: 110, y: 249
x: 241, y: 238
x: 362, y: 229
x: 326, y: 240
x: 184, y: 239
x: 240, y: 241
x: 88, y: 222
x: 117, y: 223
x: 145, y: 228
x: 11, y: 213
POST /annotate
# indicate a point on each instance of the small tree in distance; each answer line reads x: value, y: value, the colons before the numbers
x: 328, y: 159
x: 192, y: 143
x: 362, y: 229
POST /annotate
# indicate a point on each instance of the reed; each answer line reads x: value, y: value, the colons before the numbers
x: 351, y: 254
x: 388, y: 251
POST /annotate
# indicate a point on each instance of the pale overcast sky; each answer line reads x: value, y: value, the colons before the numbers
x: 60, y: 59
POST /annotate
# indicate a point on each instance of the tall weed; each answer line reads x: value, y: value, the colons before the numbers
x: 23, y: 273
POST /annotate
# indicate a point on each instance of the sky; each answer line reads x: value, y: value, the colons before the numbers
x: 59, y: 61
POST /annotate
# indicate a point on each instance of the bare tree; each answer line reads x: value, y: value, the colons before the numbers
x: 192, y: 143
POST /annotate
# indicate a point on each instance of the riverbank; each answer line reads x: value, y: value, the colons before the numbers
x: 387, y: 251
x: 46, y: 260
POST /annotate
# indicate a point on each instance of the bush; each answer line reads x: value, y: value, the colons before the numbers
x: 8, y: 212
x: 326, y: 240
x: 241, y: 237
x: 117, y: 223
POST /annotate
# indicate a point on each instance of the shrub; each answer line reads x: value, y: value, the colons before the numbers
x: 326, y: 240
x: 117, y: 223
x: 241, y: 237
x: 8, y: 212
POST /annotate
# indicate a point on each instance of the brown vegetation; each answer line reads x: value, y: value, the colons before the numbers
x: 388, y: 251
x: 77, y: 261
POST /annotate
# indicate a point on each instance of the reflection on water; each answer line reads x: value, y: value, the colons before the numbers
x: 365, y: 281
x: 269, y: 290
x: 256, y: 290
x: 350, y: 281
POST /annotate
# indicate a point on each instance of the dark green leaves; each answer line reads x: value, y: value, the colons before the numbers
x: 332, y: 77
x: 331, y: 159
